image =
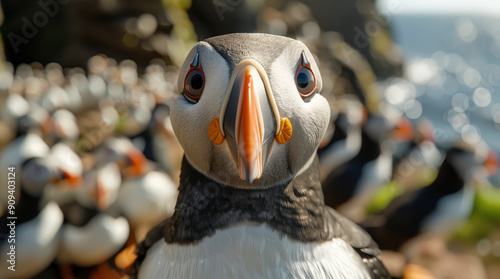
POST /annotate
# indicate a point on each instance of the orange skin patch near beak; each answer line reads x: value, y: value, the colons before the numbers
x: 404, y: 131
x: 285, y: 132
x: 249, y: 131
x: 214, y: 132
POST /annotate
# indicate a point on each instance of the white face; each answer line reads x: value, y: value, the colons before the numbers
x: 309, y: 118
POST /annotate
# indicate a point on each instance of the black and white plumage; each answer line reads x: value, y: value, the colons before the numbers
x: 144, y: 198
x: 147, y: 200
x: 346, y: 139
x: 154, y: 137
x: 28, y: 146
x: 37, y: 227
x: 91, y: 234
x: 436, y: 208
x: 263, y: 216
x: 420, y: 160
x: 65, y: 127
x: 37, y: 243
x: 350, y: 186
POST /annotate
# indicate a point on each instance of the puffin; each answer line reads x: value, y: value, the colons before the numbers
x: 346, y: 139
x: 37, y: 227
x: 54, y: 98
x: 28, y: 146
x: 147, y: 194
x: 147, y: 200
x: 421, y: 159
x: 121, y: 150
x: 65, y: 127
x: 434, y: 209
x: 14, y: 107
x: 349, y: 188
x: 153, y: 141
x: 37, y: 243
x: 250, y: 119
x: 72, y: 169
x: 92, y: 233
x: 24, y: 116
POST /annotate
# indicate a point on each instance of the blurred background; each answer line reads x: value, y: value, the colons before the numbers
x: 83, y: 73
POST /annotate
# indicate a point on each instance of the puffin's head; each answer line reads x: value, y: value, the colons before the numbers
x: 250, y: 114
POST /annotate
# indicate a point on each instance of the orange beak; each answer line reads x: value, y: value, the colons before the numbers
x: 73, y: 180
x: 491, y: 163
x: 404, y: 130
x: 249, y: 132
x: 137, y: 163
x: 249, y: 123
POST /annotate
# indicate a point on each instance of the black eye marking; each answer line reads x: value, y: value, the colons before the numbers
x: 194, y: 82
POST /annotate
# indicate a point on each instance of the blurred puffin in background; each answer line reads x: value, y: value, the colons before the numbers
x: 437, y: 208
x: 38, y: 225
x: 345, y: 141
x: 421, y: 159
x: 349, y: 188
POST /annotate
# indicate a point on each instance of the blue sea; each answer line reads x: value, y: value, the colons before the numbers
x: 451, y: 51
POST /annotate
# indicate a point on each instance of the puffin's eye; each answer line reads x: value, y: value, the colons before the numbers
x: 305, y: 80
x: 193, y: 85
x: 194, y: 81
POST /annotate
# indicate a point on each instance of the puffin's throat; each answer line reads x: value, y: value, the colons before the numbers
x: 294, y: 208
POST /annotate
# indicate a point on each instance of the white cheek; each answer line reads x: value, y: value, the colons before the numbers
x: 190, y: 122
x: 309, y: 123
x: 309, y: 119
x: 187, y: 124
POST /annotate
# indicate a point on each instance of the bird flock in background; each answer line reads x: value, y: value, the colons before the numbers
x: 97, y: 167
x: 82, y: 146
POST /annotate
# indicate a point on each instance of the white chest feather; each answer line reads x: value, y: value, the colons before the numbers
x: 252, y: 251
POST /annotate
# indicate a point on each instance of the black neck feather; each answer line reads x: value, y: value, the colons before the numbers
x: 295, y: 208
x: 448, y: 180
